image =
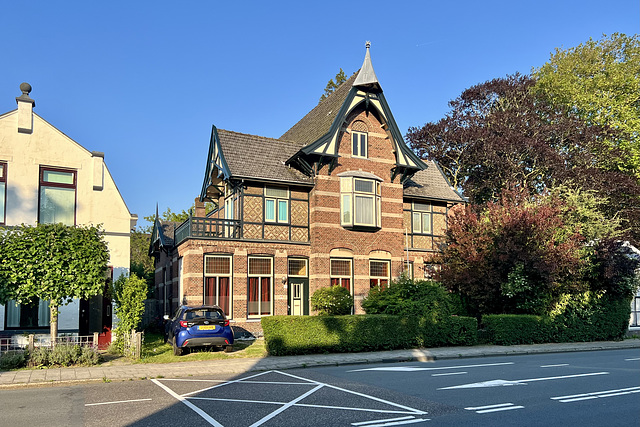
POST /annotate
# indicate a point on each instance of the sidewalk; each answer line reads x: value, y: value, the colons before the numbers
x: 66, y: 376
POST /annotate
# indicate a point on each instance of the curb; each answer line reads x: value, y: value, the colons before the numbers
x: 238, y: 366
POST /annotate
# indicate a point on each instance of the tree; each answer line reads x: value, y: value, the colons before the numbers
x: 600, y: 81
x: 331, y: 87
x: 52, y: 262
x: 515, y: 255
x: 503, y: 133
x: 129, y: 294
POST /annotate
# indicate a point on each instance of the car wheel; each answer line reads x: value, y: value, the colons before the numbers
x: 228, y: 348
x: 177, y: 351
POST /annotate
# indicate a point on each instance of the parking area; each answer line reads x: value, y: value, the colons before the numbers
x: 282, y: 398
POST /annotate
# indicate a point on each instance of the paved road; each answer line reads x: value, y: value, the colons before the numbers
x: 582, y: 388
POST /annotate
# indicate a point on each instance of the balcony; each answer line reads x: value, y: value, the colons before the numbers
x: 208, y: 228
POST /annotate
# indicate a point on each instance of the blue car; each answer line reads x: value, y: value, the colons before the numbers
x: 198, y: 326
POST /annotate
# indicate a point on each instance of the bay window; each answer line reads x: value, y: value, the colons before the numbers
x: 360, y: 202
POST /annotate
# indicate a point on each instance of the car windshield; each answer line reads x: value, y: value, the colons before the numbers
x: 202, y: 313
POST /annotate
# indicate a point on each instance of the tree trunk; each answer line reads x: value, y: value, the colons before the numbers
x: 53, y: 324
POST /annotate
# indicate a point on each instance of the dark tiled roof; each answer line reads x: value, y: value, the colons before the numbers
x: 168, y: 227
x: 431, y: 184
x: 318, y: 121
x: 258, y: 157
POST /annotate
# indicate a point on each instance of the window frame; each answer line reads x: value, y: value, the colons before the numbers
x: 217, y: 277
x: 340, y: 277
x: 37, y: 309
x: 348, y: 206
x: 3, y: 196
x: 357, y: 144
x: 47, y: 184
x: 407, y: 267
x: 260, y: 281
x: 379, y: 279
x: 278, y: 209
x: 418, y: 216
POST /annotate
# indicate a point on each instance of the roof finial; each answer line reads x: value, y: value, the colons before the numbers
x: 366, y: 76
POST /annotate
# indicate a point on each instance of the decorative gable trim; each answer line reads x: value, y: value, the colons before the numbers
x: 216, y: 164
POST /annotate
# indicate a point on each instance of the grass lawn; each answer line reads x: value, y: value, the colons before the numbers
x: 154, y: 350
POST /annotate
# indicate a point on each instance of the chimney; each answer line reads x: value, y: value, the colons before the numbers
x: 200, y: 211
x: 98, y: 170
x: 25, y: 109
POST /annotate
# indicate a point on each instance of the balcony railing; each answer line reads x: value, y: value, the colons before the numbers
x: 208, y: 228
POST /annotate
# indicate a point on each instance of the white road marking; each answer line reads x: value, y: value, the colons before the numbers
x: 364, y: 423
x: 397, y: 423
x: 495, y: 383
x: 185, y: 398
x: 285, y: 407
x: 629, y: 360
x: 449, y: 373
x: 596, y: 395
x: 493, y: 408
x: 418, y: 368
x: 193, y: 407
x: 554, y: 366
x: 119, y: 401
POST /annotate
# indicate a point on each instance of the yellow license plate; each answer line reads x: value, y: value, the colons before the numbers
x: 207, y: 327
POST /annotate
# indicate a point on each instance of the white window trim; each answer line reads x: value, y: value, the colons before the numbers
x: 348, y: 196
x: 276, y: 205
x: 229, y: 275
x: 359, y: 142
x: 417, y: 224
x: 271, y: 303
x: 340, y: 277
x: 378, y: 278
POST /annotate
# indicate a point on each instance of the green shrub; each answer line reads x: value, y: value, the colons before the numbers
x: 286, y: 335
x: 39, y: 356
x: 332, y: 301
x: 12, y: 360
x: 88, y: 356
x: 64, y: 355
x: 587, y: 316
x: 406, y: 297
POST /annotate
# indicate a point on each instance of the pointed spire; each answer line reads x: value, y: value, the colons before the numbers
x: 366, y: 76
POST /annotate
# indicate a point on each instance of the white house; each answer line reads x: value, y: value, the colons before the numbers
x: 47, y: 177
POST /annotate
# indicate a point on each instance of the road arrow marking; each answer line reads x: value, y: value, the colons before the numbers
x: 497, y: 383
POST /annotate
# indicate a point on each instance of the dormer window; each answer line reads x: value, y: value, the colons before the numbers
x: 359, y: 144
x: 359, y: 202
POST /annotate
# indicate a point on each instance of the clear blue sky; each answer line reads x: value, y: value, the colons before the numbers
x: 143, y: 81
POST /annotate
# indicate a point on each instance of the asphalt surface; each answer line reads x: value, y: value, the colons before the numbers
x: 65, y: 376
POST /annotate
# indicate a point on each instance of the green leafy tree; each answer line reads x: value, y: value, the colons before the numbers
x: 331, y: 87
x: 129, y: 294
x: 600, y: 81
x: 52, y: 262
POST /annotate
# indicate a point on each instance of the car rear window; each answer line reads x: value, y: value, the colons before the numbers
x: 202, y: 313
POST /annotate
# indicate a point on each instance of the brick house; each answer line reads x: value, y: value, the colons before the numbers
x: 338, y: 199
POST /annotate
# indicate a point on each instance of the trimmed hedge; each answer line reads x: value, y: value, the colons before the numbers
x: 289, y: 335
x: 586, y: 317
